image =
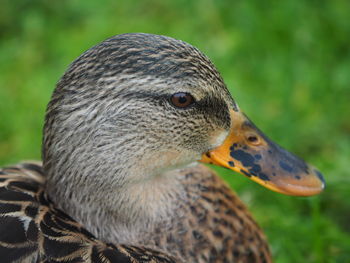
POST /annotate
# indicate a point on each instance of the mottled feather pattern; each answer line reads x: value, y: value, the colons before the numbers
x: 33, y: 230
x: 218, y: 227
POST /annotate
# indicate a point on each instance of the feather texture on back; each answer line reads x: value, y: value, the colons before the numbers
x: 32, y: 230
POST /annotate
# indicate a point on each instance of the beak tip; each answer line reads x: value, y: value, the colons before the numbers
x: 320, y: 176
x: 314, y: 185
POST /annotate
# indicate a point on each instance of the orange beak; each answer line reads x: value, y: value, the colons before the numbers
x: 248, y: 151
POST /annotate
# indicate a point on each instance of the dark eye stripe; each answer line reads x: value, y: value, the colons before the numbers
x: 181, y: 100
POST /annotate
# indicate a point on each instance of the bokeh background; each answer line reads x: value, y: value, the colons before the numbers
x: 287, y: 63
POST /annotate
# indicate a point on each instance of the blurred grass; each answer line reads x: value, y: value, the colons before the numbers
x: 287, y: 63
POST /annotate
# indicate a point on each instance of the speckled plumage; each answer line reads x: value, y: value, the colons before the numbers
x: 217, y: 227
x: 120, y: 164
x: 33, y: 230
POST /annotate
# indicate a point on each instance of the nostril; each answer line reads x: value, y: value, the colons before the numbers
x: 253, y: 139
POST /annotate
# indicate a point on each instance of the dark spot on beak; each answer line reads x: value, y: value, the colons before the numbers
x: 230, y: 163
x: 249, y: 160
x: 245, y: 173
x: 208, y: 154
x: 297, y: 177
x: 286, y: 167
x: 232, y: 148
x: 264, y: 177
x: 245, y: 158
x: 255, y: 169
x: 257, y: 156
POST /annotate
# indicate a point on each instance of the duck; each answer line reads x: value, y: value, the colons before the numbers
x: 129, y: 132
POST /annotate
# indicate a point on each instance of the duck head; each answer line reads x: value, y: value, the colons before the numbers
x: 136, y: 106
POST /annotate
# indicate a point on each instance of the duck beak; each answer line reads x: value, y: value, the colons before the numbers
x: 248, y: 151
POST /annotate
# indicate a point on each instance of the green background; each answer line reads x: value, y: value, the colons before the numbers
x: 287, y: 64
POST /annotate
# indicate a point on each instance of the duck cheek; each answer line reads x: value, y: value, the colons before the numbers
x: 217, y: 138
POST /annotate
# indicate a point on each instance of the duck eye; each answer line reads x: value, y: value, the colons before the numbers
x: 181, y: 99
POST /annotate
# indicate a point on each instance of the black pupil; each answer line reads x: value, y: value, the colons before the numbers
x: 182, y: 99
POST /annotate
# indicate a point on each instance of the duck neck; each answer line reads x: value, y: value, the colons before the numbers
x: 118, y: 210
